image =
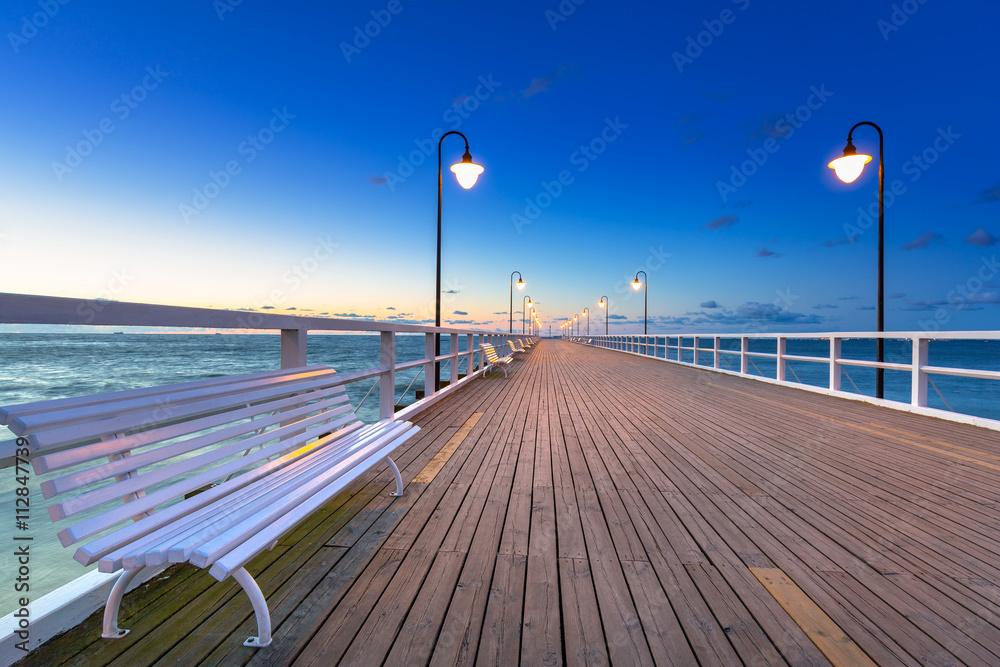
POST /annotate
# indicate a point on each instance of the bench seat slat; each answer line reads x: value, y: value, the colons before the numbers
x: 205, y: 552
x: 260, y: 541
x: 10, y: 412
x: 100, y: 450
x: 150, y: 501
x: 137, y: 550
x: 83, y: 432
x: 92, y: 551
x: 332, y: 408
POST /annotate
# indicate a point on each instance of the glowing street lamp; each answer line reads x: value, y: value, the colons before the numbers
x: 525, y: 304
x: 637, y: 285
x: 606, y: 305
x: 520, y: 286
x: 848, y: 167
x: 575, y: 328
x: 467, y: 173
x: 586, y: 313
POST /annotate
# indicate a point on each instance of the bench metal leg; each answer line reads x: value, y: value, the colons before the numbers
x: 260, y: 610
x: 399, y: 480
x: 111, y: 629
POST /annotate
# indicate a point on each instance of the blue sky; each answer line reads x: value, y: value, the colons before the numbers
x: 282, y: 159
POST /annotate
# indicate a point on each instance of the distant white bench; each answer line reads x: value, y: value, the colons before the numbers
x: 211, y: 473
x: 494, y: 360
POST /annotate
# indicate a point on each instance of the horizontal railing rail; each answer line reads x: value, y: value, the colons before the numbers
x: 294, y: 329
x: 673, y: 348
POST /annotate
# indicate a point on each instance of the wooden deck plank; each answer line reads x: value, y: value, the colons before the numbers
x: 607, y: 508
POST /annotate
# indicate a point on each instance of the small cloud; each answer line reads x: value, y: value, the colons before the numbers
x: 390, y: 308
x: 833, y: 243
x: 990, y: 195
x: 722, y: 221
x: 865, y: 308
x: 461, y: 322
x: 267, y: 307
x: 764, y: 252
x: 923, y: 241
x: 743, y: 204
x: 542, y: 84
x: 897, y: 295
x: 500, y: 312
x: 459, y: 312
x: 451, y: 291
x: 846, y: 298
x: 292, y: 308
x: 825, y: 306
x: 981, y: 238
x: 617, y: 317
x: 377, y: 180
x: 709, y: 304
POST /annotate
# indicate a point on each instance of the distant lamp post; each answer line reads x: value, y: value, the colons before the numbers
x: 606, y: 305
x: 467, y: 173
x: 525, y: 304
x: 586, y: 313
x: 637, y: 285
x: 848, y: 167
x: 520, y: 286
x: 576, y: 329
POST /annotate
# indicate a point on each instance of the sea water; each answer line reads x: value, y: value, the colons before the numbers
x: 37, y: 367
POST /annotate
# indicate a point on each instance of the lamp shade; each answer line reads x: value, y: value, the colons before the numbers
x: 636, y: 284
x: 467, y: 172
x: 600, y: 304
x: 519, y: 284
x: 850, y: 165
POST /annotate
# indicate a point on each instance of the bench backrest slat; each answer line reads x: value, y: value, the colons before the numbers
x: 77, y: 455
x: 118, y: 514
x: 332, y: 407
x: 166, y: 414
x: 8, y: 413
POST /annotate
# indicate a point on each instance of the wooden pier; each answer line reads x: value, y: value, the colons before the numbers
x: 597, y: 507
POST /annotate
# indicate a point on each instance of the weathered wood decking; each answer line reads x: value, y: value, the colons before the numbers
x: 599, y: 507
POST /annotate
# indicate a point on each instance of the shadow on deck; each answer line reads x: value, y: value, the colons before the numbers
x: 599, y: 507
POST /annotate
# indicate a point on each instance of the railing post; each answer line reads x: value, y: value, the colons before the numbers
x: 680, y: 348
x: 387, y: 382
x: 781, y: 358
x: 697, y: 344
x: 834, y: 366
x: 715, y: 352
x: 293, y: 347
x: 918, y: 382
x: 470, y: 365
x: 744, y: 357
x: 429, y: 353
x: 454, y: 359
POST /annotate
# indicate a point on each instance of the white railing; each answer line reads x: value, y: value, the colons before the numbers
x: 26, y: 309
x: 672, y: 348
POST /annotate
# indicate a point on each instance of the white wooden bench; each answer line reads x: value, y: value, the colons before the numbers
x: 211, y: 473
x: 493, y: 360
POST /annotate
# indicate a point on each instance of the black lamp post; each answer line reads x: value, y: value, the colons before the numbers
x: 467, y: 172
x: 525, y: 302
x: 637, y: 285
x: 848, y: 167
x: 586, y: 313
x: 520, y: 286
x: 606, y: 305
